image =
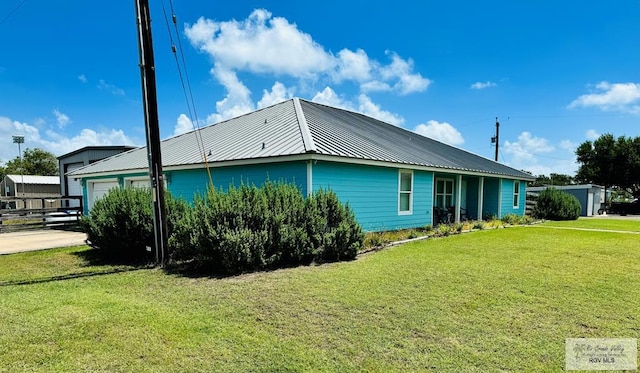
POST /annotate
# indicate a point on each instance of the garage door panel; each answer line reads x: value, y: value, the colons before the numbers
x: 100, y: 189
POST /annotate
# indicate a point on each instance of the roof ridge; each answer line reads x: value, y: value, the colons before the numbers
x: 307, y: 139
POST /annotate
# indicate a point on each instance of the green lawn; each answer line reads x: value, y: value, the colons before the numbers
x: 631, y: 225
x: 496, y: 300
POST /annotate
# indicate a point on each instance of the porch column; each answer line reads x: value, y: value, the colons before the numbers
x: 480, y: 196
x: 458, y: 197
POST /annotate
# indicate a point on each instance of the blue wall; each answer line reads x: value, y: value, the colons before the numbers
x: 187, y: 183
x: 372, y: 193
x: 507, y: 198
x: 472, y: 197
x: 491, y: 191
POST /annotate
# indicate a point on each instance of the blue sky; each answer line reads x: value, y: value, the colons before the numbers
x: 555, y: 73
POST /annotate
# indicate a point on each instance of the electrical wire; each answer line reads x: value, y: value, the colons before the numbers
x: 186, y: 88
x: 13, y: 11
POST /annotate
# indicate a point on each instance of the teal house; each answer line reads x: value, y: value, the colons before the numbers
x: 392, y: 178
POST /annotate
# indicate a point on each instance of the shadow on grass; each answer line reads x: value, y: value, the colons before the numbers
x: 91, y: 258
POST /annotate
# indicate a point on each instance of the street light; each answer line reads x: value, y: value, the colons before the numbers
x: 18, y: 139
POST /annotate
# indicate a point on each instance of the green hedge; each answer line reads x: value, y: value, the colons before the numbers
x: 249, y: 228
x: 244, y: 229
x: 555, y: 204
x: 121, y: 223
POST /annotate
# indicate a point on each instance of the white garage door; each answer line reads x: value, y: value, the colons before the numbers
x: 99, y: 189
x: 140, y: 183
x: 74, y: 188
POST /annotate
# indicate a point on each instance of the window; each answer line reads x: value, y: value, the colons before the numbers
x: 405, y: 192
x: 516, y: 194
x: 444, y: 193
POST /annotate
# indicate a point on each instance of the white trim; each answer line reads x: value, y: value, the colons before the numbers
x: 309, y: 145
x: 499, y: 199
x: 410, y: 211
x: 309, y: 178
x: 303, y: 157
x: 458, y: 198
x: 517, y: 205
x: 480, y: 197
x: 90, y: 186
x: 445, y: 179
x: 433, y: 195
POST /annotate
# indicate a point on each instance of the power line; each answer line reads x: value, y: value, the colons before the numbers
x: 13, y: 11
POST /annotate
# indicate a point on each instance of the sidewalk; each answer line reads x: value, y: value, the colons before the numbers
x: 39, y: 240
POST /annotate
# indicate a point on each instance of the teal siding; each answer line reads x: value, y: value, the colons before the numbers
x: 472, y: 197
x: 372, y: 193
x: 187, y: 183
x: 490, y: 202
x: 507, y: 198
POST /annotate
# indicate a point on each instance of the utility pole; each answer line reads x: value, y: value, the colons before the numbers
x: 150, y: 108
x: 496, y: 139
x: 18, y: 139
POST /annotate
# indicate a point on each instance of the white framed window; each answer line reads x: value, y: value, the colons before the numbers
x: 444, y: 193
x: 516, y: 194
x: 405, y: 192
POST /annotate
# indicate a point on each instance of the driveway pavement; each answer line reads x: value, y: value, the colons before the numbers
x: 16, y: 242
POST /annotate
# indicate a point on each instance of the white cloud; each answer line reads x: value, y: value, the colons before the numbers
x: 278, y: 93
x: 61, y: 118
x: 527, y: 147
x: 353, y: 66
x: 273, y: 46
x: 183, y: 125
x: 401, y: 69
x: 368, y: 107
x: 329, y: 97
x: 238, y: 99
x: 82, y: 78
x: 52, y: 141
x: 592, y: 134
x: 623, y: 97
x: 103, y: 85
x: 364, y: 106
x: 538, y: 156
x: 441, y: 131
x: 260, y: 44
x: 482, y: 85
x: 568, y: 145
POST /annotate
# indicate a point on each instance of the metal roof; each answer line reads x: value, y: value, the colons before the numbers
x: 34, y: 179
x: 297, y: 126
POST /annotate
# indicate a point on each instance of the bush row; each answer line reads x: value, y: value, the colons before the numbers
x: 244, y: 229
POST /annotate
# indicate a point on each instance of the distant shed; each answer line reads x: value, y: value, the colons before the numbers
x: 591, y: 196
x: 80, y: 158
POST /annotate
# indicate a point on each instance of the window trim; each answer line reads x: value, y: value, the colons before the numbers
x: 401, y: 192
x: 444, y: 191
x: 516, y: 195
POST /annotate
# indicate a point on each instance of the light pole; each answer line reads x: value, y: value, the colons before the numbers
x: 18, y: 139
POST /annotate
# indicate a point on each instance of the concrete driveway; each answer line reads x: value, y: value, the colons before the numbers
x: 16, y: 242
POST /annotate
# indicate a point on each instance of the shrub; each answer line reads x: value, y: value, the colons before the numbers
x: 512, y: 219
x: 250, y: 228
x: 478, y: 225
x: 554, y: 204
x: 121, y: 223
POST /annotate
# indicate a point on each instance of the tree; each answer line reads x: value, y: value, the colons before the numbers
x: 611, y: 162
x: 34, y: 162
x: 553, y: 179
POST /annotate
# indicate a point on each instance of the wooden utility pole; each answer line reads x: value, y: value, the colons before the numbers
x: 150, y: 108
x: 496, y: 139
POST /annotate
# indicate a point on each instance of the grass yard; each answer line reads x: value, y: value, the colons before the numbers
x: 495, y: 300
x: 630, y: 225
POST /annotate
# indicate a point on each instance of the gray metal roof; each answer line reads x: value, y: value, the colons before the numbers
x: 297, y: 126
x: 34, y: 179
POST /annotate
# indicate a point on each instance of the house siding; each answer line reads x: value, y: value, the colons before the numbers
x: 472, y: 197
x: 372, y: 194
x: 490, y: 206
x: 507, y: 198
